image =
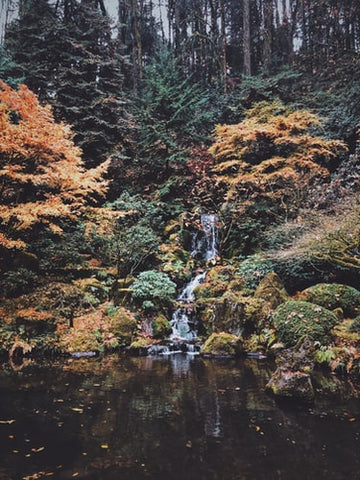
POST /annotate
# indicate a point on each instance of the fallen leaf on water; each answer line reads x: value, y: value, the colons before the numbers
x: 104, y: 445
x: 75, y: 409
x: 7, y: 422
x: 75, y: 474
x: 36, y: 450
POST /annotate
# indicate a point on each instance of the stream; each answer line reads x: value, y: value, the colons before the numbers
x: 165, y: 418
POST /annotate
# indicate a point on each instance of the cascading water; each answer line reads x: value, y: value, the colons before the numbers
x: 205, y: 244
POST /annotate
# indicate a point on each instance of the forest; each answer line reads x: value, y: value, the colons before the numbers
x: 118, y: 133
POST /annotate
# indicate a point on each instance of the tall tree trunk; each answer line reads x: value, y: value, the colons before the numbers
x: 268, y: 20
x: 137, y: 46
x: 247, y: 37
x: 223, y: 45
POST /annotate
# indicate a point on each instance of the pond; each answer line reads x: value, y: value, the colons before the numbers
x: 172, y: 417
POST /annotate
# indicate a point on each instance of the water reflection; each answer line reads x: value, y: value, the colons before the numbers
x: 174, y: 417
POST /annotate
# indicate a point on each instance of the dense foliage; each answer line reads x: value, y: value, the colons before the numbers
x: 42, y: 175
x: 115, y: 139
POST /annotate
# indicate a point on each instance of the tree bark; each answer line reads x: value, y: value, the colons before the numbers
x: 247, y: 37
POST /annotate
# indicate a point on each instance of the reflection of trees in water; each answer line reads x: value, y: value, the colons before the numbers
x: 174, y: 415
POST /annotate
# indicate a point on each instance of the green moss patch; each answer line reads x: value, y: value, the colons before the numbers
x: 294, y: 319
x: 223, y: 344
x: 332, y: 296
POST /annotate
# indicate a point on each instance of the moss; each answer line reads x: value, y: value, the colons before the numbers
x: 355, y: 325
x: 232, y: 312
x: 294, y: 319
x: 161, y: 327
x: 223, y: 344
x: 123, y: 326
x: 332, y: 296
x: 140, y: 342
x: 271, y: 289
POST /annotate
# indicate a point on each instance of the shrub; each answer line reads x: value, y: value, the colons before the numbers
x: 17, y: 282
x: 294, y: 319
x: 355, y: 325
x: 253, y: 269
x: 154, y: 286
x: 332, y: 296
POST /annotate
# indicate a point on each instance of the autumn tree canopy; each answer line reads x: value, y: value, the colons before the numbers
x: 41, y: 171
x: 272, y: 157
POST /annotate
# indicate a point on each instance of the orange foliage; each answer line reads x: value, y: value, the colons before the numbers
x: 42, y: 178
x: 272, y: 155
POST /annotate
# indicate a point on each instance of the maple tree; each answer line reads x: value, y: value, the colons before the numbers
x: 42, y: 178
x: 271, y: 158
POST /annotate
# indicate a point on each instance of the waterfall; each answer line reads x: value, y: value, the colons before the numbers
x: 204, y: 248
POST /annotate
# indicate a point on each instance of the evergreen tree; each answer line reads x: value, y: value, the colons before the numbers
x: 70, y: 59
x: 9, y: 71
x: 172, y: 114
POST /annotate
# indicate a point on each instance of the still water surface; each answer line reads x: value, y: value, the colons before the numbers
x: 166, y: 418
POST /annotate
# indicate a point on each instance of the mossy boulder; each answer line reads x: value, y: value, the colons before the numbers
x: 140, y: 346
x: 161, y: 327
x: 272, y: 291
x: 295, y: 319
x: 232, y: 312
x: 292, y: 377
x: 123, y: 326
x: 223, y: 345
x: 333, y: 296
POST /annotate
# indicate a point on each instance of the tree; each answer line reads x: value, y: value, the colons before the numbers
x: 268, y: 162
x: 42, y: 178
x: 9, y: 71
x: 70, y: 59
x: 172, y: 115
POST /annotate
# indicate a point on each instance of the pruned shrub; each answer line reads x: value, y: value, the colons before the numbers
x: 294, y: 319
x: 332, y: 296
x: 153, y: 286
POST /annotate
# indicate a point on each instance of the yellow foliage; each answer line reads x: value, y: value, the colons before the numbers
x: 41, y: 171
x: 271, y: 153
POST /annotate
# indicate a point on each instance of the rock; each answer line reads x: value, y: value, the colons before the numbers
x: 223, y: 345
x: 272, y: 291
x: 333, y: 296
x: 285, y: 383
x: 123, y: 326
x: 161, y: 327
x: 292, y: 377
x: 232, y: 312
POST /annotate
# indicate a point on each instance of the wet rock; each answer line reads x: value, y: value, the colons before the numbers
x: 223, y: 345
x: 272, y: 291
x: 292, y: 377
